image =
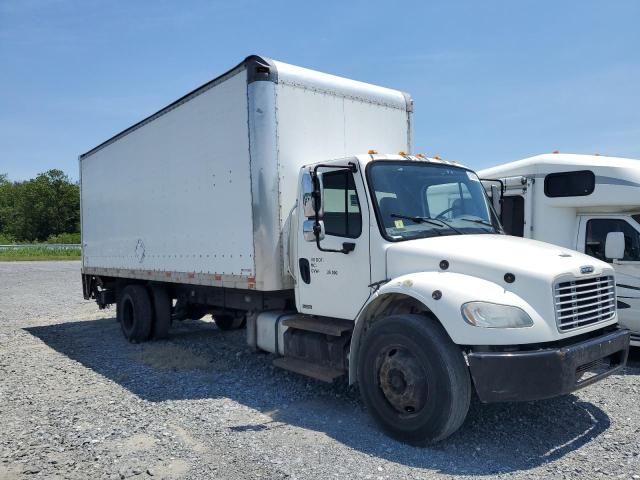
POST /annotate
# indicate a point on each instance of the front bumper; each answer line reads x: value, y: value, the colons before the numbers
x: 547, y: 372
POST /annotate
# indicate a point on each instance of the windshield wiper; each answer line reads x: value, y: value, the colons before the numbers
x: 429, y: 220
x: 446, y: 224
x: 481, y: 222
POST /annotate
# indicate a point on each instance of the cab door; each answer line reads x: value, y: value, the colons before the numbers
x: 330, y: 283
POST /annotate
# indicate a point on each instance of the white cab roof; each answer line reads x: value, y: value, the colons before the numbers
x: 367, y: 158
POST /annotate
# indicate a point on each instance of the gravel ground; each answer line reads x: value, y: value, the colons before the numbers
x: 78, y: 401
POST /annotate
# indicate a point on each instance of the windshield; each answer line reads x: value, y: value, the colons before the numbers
x: 420, y: 199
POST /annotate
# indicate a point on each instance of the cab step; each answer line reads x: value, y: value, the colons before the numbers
x: 309, y: 369
x: 325, y: 325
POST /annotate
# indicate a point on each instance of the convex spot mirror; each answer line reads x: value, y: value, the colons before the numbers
x: 309, y: 194
x: 614, y: 246
x: 309, y: 230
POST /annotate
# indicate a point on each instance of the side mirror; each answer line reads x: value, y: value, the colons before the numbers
x: 308, y: 229
x: 496, y: 199
x: 614, y: 246
x: 309, y: 194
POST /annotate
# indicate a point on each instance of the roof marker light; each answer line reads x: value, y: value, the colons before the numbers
x: 404, y: 154
x: 372, y: 152
x: 556, y: 151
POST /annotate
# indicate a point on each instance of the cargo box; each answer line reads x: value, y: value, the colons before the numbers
x: 198, y: 192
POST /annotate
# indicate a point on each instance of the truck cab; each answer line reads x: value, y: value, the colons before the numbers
x: 372, y: 208
x: 588, y: 203
x: 404, y: 261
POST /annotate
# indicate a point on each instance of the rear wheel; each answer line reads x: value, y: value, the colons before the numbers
x: 161, y: 312
x: 413, y: 379
x: 229, y: 322
x: 135, y: 313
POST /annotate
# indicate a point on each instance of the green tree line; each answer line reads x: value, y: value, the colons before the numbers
x: 44, y: 208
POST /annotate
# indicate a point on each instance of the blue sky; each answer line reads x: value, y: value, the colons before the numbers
x: 493, y: 81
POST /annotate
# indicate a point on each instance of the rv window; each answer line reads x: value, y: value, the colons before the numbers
x: 569, y: 184
x: 513, y: 215
x: 597, y: 230
x: 341, y: 206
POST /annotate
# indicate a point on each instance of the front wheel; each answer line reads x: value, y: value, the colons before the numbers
x: 413, y: 379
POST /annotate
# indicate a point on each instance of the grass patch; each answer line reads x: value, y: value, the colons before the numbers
x: 38, y: 253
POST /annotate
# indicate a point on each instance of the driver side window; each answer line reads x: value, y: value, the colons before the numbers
x: 342, y: 216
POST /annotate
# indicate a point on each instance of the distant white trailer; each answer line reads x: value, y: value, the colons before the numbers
x: 589, y: 203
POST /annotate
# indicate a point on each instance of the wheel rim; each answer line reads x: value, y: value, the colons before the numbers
x: 127, y: 315
x: 402, y: 379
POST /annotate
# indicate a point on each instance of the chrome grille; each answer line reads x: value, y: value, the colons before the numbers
x: 584, y: 302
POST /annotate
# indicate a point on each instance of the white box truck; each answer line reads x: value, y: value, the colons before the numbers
x: 245, y: 200
x: 589, y: 203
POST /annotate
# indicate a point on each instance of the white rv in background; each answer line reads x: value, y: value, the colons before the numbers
x: 589, y: 203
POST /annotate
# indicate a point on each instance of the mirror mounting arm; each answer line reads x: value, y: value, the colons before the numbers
x: 347, y: 247
x: 351, y: 166
x: 502, y: 187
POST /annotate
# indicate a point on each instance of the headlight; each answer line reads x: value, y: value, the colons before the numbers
x: 494, y: 315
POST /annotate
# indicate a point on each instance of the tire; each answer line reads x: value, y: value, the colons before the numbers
x: 229, y: 322
x: 413, y: 379
x: 161, y: 312
x: 135, y: 313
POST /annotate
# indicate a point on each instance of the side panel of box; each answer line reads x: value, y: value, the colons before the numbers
x: 318, y: 125
x: 175, y: 194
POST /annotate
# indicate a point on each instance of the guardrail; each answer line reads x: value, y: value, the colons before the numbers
x: 52, y: 246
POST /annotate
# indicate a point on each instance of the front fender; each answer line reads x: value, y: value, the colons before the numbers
x: 455, y: 289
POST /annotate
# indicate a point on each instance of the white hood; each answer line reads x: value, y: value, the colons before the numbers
x: 490, y: 257
x: 474, y: 270
x: 535, y: 265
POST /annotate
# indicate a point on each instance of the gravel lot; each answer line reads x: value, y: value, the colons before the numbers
x: 78, y: 401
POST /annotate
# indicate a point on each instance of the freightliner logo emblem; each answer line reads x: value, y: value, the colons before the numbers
x: 586, y: 269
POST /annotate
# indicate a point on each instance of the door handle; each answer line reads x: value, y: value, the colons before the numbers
x: 348, y: 247
x: 305, y: 270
